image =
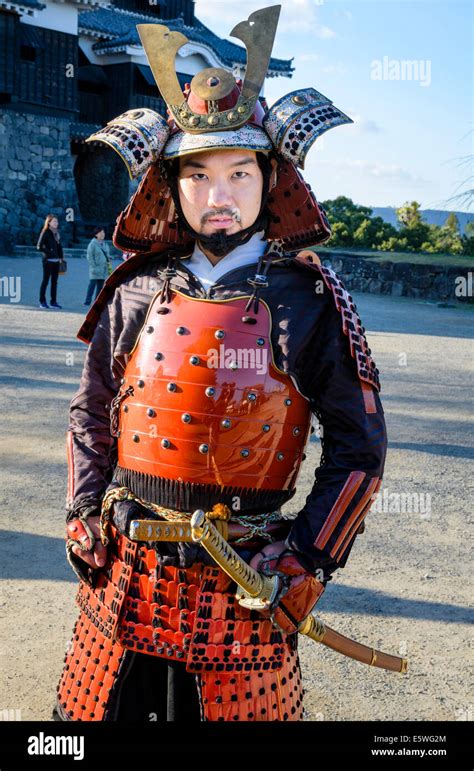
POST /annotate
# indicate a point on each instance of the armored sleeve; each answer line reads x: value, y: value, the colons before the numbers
x: 90, y: 446
x: 339, y: 376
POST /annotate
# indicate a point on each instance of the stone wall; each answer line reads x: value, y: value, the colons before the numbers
x: 402, y: 279
x: 36, y: 177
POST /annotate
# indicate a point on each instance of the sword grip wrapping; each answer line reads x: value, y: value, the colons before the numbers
x: 246, y: 577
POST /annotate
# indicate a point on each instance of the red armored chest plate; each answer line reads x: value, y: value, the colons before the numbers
x: 209, y: 405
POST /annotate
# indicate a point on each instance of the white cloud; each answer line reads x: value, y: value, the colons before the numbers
x: 296, y: 15
x: 335, y: 69
x: 391, y: 171
x: 307, y: 58
x: 364, y: 125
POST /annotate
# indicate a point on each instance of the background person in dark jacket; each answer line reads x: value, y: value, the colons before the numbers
x: 100, y: 266
x: 50, y: 244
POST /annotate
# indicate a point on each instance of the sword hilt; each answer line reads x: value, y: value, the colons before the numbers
x: 258, y: 592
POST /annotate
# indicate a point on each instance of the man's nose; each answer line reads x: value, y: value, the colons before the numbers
x: 219, y: 195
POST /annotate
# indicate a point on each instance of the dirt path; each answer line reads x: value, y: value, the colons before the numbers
x: 406, y: 585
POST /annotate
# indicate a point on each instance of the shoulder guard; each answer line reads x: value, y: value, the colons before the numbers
x: 351, y: 323
x: 120, y: 274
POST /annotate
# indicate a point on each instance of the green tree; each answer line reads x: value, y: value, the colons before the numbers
x: 452, y: 224
x: 468, y: 239
x: 373, y: 232
x: 413, y: 228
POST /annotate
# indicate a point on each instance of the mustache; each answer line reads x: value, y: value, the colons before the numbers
x: 233, y: 213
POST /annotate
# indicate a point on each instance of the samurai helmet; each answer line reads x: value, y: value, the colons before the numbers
x: 217, y: 112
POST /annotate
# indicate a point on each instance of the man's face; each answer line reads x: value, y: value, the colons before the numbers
x: 220, y: 190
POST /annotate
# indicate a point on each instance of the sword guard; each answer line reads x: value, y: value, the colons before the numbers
x: 266, y: 598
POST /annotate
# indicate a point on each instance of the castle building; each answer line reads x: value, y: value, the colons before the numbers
x: 66, y: 68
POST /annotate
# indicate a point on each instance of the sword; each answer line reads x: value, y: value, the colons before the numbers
x: 257, y: 591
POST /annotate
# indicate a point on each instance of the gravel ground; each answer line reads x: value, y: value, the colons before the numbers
x: 405, y: 587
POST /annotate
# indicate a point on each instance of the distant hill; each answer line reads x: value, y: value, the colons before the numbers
x: 432, y: 216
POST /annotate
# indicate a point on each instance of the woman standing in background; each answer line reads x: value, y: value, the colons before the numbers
x: 49, y: 243
x: 100, y: 266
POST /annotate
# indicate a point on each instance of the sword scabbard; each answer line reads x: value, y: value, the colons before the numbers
x: 258, y: 592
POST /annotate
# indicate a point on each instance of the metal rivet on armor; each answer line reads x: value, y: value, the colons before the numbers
x: 122, y: 381
x: 186, y: 417
x: 287, y: 402
x: 226, y: 423
x: 171, y: 387
x: 252, y: 397
x: 234, y: 365
x: 210, y: 391
x: 180, y: 330
x: 296, y: 431
x: 150, y: 329
x: 260, y: 341
x: 245, y: 453
x: 219, y: 334
x: 141, y: 384
x: 266, y: 428
x: 203, y: 448
x: 158, y: 356
x: 213, y: 120
x: 194, y: 121
x: 280, y: 456
x: 231, y: 116
x: 194, y: 360
x: 151, y: 413
x: 136, y: 438
x: 298, y: 99
x: 241, y: 109
x: 125, y: 407
x: 165, y: 443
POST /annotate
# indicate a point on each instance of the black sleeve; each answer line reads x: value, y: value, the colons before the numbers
x: 354, y: 442
x: 91, y: 447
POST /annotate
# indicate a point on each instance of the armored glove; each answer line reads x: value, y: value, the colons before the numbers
x: 298, y: 591
x: 84, y: 550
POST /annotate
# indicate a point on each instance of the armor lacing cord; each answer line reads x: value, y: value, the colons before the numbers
x: 114, y: 409
x: 259, y: 281
x: 256, y: 523
x: 168, y: 273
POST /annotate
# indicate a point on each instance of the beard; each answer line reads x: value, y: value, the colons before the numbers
x: 221, y: 243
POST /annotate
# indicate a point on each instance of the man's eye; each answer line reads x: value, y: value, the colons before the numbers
x: 241, y: 174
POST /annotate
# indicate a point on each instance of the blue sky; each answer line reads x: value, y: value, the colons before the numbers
x: 409, y: 134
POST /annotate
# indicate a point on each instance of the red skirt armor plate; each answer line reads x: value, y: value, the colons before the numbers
x: 245, y: 668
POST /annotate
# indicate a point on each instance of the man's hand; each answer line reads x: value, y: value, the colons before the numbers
x: 299, y: 591
x: 96, y: 554
x: 272, y: 549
